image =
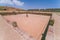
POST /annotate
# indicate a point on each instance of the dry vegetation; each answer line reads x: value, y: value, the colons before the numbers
x: 5, y: 8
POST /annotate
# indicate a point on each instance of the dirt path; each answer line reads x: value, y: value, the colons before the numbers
x: 56, y: 27
x: 54, y: 31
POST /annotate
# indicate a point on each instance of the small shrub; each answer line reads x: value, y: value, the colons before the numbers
x: 51, y: 22
x: 14, y: 24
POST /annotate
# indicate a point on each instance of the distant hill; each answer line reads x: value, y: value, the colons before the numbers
x: 51, y: 10
x: 5, y: 8
x: 46, y: 10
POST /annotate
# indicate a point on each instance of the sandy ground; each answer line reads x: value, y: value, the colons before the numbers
x: 50, y: 33
x: 54, y: 31
x: 7, y: 32
x: 34, y: 25
x: 56, y: 27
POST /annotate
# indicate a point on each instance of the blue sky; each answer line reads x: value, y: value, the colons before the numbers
x: 31, y: 4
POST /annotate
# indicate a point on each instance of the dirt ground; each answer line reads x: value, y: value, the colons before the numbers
x: 34, y: 25
x: 54, y: 31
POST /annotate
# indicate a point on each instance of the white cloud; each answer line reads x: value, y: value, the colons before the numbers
x: 18, y: 2
x: 12, y: 2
